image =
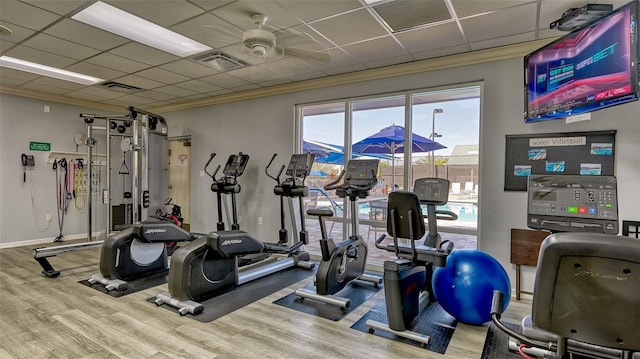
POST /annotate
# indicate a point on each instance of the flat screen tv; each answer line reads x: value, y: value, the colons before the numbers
x: 586, y: 70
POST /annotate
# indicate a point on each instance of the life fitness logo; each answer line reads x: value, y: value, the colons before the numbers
x: 154, y: 230
x: 228, y: 242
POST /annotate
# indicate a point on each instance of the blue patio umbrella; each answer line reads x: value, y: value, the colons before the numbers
x: 319, y: 149
x: 391, y: 140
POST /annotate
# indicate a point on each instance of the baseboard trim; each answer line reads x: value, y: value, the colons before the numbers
x: 37, y: 241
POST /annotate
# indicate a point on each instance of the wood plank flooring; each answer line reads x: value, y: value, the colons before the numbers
x: 59, y: 318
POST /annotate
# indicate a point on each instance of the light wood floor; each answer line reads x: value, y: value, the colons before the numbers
x: 60, y: 318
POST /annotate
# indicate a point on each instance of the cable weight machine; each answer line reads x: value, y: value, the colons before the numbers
x: 148, y: 149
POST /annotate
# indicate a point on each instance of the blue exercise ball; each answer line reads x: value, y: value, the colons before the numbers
x: 464, y: 287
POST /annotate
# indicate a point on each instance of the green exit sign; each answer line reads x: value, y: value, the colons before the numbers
x: 39, y: 146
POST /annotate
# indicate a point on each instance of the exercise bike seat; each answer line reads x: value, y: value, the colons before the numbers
x: 160, y: 232
x: 424, y: 254
x: 234, y: 243
x: 320, y: 212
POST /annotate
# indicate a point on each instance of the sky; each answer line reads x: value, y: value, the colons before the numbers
x: 459, y: 124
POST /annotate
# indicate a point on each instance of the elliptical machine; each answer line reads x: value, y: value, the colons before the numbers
x: 137, y: 251
x: 407, y: 279
x: 345, y: 261
x: 208, y: 266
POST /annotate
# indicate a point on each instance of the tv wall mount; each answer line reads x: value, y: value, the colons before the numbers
x: 575, y: 18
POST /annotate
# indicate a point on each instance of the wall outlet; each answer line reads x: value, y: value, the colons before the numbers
x: 49, y: 217
x: 259, y: 220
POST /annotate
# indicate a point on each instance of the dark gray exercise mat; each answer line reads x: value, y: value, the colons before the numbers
x: 496, y: 345
x: 433, y: 321
x: 135, y: 285
x: 358, y: 293
x: 245, y: 294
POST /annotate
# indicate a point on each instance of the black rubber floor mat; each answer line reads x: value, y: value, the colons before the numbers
x: 358, y: 293
x: 245, y: 294
x: 135, y: 285
x: 433, y: 321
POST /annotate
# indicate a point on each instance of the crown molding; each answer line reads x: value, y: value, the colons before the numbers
x: 59, y: 98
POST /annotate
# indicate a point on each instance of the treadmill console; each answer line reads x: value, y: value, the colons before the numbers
x: 300, y: 165
x: 235, y: 165
x: 362, y: 173
x: 432, y: 190
x: 573, y: 203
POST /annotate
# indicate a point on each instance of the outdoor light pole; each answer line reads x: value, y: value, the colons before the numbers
x: 433, y: 137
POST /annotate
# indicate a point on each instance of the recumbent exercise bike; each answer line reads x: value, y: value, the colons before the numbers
x: 407, y: 279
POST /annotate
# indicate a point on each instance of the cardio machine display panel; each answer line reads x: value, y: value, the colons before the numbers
x: 569, y: 203
x: 300, y: 164
x: 361, y: 171
x: 235, y: 165
x: 432, y: 190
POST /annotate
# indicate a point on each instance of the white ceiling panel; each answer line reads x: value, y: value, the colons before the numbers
x: 319, y: 37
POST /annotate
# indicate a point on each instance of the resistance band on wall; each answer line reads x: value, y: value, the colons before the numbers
x: 63, y: 196
x: 80, y: 186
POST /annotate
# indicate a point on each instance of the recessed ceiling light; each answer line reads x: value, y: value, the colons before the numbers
x: 112, y: 19
x: 49, y: 71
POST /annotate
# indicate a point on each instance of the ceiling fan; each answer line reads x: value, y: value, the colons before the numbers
x: 262, y: 44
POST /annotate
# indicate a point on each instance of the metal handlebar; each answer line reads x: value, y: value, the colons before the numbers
x: 266, y: 170
x: 207, y: 165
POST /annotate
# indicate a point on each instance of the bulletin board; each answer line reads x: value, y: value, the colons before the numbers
x: 575, y: 153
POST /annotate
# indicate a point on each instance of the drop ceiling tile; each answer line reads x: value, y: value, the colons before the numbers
x: 61, y: 47
x: 224, y: 80
x: 239, y: 14
x: 198, y: 86
x: 61, y: 84
x: 19, y: 33
x: 154, y: 95
x: 161, y: 75
x: 351, y: 27
x: 464, y: 8
x: 308, y: 76
x: 209, y: 30
x: 174, y: 91
x: 310, y: 10
x: 95, y: 70
x: 33, y: 86
x: 133, y: 100
x: 101, y: 92
x: 273, y: 82
x: 245, y: 88
x: 337, y: 58
x: 40, y: 57
x: 287, y: 67
x: 345, y: 69
x: 253, y: 74
x: 370, y: 50
x: 165, y: 13
x: 197, y: 96
x: 138, y: 81
x: 431, y: 37
x: 389, y: 61
x: 493, y: 25
x: 189, y: 68
x: 445, y: 51
x: 143, y: 53
x: 17, y: 75
x: 10, y: 82
x: 86, y: 95
x: 25, y: 15
x: 502, y: 41
x: 219, y: 92
x: 116, y: 62
x: 86, y: 35
x: 60, y: 7
x: 210, y: 4
x: 302, y: 38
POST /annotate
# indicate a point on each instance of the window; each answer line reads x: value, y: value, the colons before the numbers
x: 449, y: 117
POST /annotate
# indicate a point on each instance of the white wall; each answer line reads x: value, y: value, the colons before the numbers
x: 263, y: 126
x: 23, y: 206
